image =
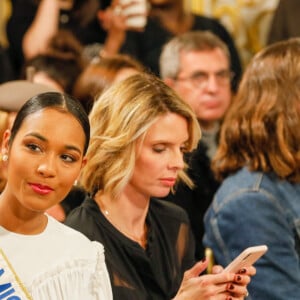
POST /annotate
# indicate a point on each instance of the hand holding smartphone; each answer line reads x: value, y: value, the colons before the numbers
x: 246, y: 259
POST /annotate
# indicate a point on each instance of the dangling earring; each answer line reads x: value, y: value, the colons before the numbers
x: 4, y: 157
x: 75, y: 182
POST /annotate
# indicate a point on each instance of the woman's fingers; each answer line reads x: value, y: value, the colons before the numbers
x: 196, y: 270
x: 251, y: 271
x: 220, y: 285
x: 236, y: 290
x: 242, y: 279
x: 216, y: 269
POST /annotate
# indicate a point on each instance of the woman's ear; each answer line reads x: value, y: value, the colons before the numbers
x: 84, y: 161
x: 5, y: 142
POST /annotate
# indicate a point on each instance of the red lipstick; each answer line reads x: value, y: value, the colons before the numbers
x: 41, y: 189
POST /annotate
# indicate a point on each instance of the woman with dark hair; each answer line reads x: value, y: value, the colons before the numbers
x: 43, y: 155
x: 259, y: 161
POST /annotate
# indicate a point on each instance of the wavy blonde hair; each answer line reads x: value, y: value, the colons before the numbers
x: 122, y: 115
x: 262, y: 127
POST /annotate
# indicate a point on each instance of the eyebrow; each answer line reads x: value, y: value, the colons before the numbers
x: 167, y: 142
x: 208, y: 72
x: 42, y: 138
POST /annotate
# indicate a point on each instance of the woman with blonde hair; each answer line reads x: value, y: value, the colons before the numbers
x: 140, y: 129
x: 259, y: 158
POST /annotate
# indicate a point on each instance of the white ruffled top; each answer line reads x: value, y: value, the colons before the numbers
x: 57, y: 264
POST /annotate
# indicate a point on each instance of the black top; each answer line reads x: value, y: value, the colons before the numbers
x: 23, y: 13
x: 74, y: 199
x: 146, y: 46
x: 135, y: 273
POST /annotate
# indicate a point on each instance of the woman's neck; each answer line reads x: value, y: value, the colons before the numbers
x: 127, y: 215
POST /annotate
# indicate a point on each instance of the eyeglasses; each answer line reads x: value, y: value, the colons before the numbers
x: 200, y: 79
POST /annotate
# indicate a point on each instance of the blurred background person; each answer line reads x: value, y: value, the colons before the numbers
x: 101, y: 73
x: 34, y: 22
x: 59, y: 65
x: 169, y: 18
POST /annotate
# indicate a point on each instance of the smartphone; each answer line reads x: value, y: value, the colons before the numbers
x: 247, y: 258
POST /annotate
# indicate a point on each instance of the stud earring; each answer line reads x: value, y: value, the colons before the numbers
x: 4, y: 157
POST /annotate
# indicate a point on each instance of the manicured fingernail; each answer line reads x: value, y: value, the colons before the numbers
x: 242, y: 271
x: 230, y: 286
x: 238, y: 278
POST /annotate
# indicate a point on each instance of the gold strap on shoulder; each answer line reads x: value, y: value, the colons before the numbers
x: 18, y: 280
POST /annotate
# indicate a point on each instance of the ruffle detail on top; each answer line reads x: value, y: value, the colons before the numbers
x: 75, y: 279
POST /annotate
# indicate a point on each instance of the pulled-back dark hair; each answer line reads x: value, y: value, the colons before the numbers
x: 59, y: 101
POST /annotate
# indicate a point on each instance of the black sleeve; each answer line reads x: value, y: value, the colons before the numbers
x: 23, y: 12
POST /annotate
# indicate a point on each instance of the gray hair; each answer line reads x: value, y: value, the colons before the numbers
x: 197, y: 40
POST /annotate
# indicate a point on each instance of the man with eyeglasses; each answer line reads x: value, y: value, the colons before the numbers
x: 197, y: 66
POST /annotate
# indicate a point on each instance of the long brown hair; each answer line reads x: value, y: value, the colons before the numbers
x: 262, y: 127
